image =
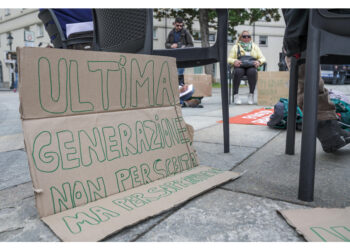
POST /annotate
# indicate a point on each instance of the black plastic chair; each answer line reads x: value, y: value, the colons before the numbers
x: 327, y: 43
x: 57, y: 37
x: 134, y: 34
x: 123, y: 30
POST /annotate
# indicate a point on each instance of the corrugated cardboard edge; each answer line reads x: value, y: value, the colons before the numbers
x: 290, y: 214
x: 203, y: 187
x: 284, y: 214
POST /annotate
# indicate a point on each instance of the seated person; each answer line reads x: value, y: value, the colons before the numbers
x: 329, y: 132
x: 186, y: 99
x: 245, y: 47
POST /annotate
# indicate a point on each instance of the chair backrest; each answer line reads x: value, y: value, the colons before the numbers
x: 53, y: 28
x: 334, y: 34
x: 123, y: 30
x: 131, y: 30
x: 192, y: 57
x: 335, y: 21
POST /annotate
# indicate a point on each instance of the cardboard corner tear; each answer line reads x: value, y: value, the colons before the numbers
x: 105, y: 139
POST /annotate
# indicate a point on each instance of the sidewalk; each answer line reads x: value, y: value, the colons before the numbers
x: 243, y: 210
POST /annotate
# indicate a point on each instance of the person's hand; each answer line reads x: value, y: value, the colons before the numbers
x: 256, y: 64
x: 237, y: 63
x: 183, y: 88
x: 174, y: 46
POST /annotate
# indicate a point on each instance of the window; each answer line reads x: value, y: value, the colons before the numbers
x: 211, y: 38
x: 7, y: 12
x: 155, y: 33
x: 198, y: 70
x: 196, y: 35
x: 263, y: 41
x: 230, y: 39
x: 39, y: 30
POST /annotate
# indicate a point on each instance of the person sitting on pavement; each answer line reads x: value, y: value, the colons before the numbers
x: 238, y: 57
x: 329, y: 131
x: 186, y: 99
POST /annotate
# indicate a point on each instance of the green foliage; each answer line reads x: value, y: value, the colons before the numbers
x: 236, y: 17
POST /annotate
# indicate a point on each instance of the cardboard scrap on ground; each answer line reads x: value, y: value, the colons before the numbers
x: 202, y: 84
x: 255, y: 117
x: 272, y: 86
x: 320, y: 224
x: 105, y: 136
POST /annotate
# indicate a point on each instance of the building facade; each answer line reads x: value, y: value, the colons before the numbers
x: 22, y: 27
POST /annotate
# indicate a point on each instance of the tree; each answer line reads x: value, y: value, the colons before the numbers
x: 207, y: 19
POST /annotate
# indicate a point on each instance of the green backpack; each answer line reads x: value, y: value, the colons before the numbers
x: 343, y: 110
x: 279, y: 118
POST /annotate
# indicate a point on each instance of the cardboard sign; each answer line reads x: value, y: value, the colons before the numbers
x: 97, y: 125
x: 255, y: 117
x: 272, y: 86
x: 202, y: 84
x: 320, y: 224
x: 117, y: 211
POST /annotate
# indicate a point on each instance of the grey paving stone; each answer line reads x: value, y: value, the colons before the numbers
x: 20, y: 221
x: 222, y: 215
x: 22, y: 224
x: 211, y: 154
x: 240, y: 135
x: 132, y: 233
x: 14, y: 168
x: 11, y: 127
x: 234, y: 110
x: 11, y: 142
x: 200, y: 122
x: 271, y: 173
x: 10, y: 122
x: 10, y: 197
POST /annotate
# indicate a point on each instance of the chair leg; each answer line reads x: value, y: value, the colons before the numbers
x: 222, y: 50
x: 225, y: 106
x: 292, y: 107
x: 308, y: 143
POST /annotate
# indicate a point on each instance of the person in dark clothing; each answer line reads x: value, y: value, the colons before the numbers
x: 179, y: 37
x: 329, y: 132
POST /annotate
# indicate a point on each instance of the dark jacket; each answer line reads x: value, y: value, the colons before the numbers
x: 185, y: 39
x: 295, y: 35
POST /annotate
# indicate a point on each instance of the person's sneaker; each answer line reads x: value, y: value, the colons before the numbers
x: 250, y: 99
x: 237, y: 100
x: 332, y: 136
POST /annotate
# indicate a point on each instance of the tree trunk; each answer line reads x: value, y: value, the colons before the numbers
x: 204, y: 31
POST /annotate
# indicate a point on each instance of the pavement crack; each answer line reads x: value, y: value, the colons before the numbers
x: 171, y: 212
x: 5, y: 210
x: 270, y: 198
x: 11, y: 230
x: 30, y: 196
x: 257, y: 150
